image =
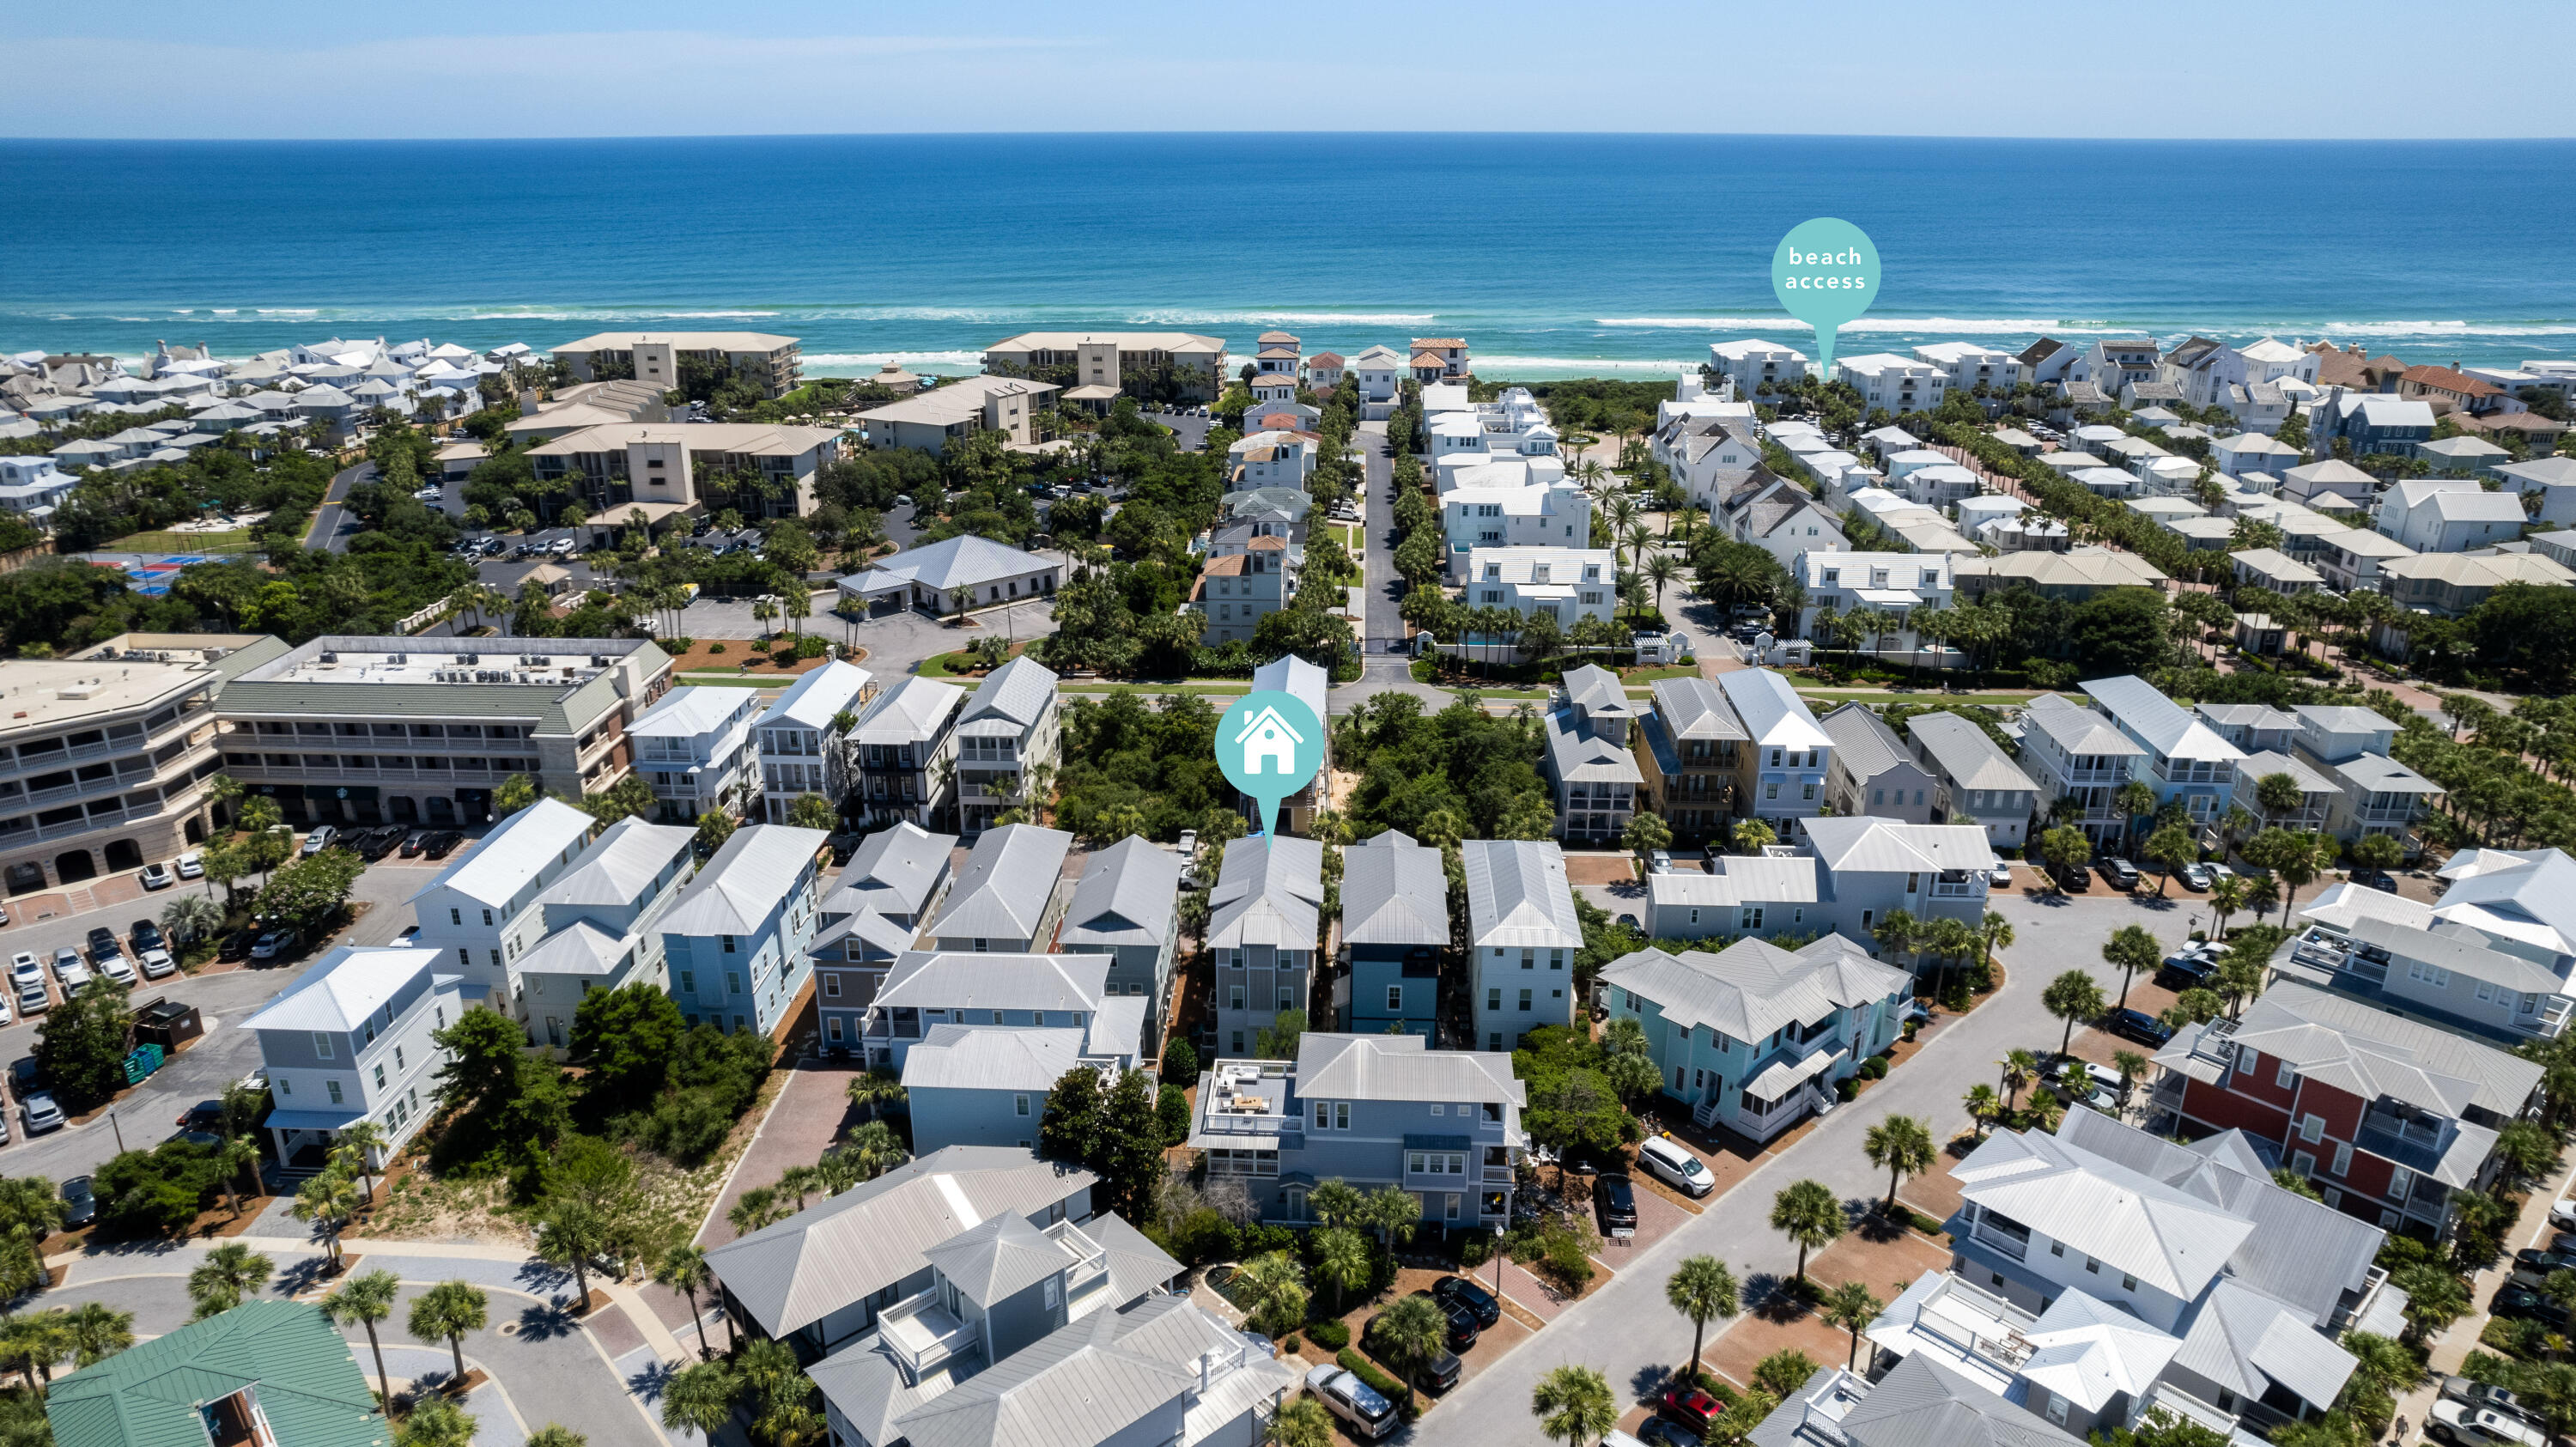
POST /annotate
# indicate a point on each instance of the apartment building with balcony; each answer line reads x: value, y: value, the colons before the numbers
x: 1967, y: 365
x: 351, y: 730
x: 2184, y: 760
x: 1370, y: 1110
x: 103, y: 757
x: 1522, y: 936
x: 1754, y: 1037
x: 2386, y: 1117
x: 1394, y: 929
x: 1264, y: 926
x: 930, y: 420
x: 903, y: 753
x: 1974, y: 780
x: 350, y: 1041
x: 737, y: 939
x: 1783, y: 771
x: 1149, y: 366
x: 1127, y: 906
x: 2317, y: 792
x: 599, y: 925
x: 695, y: 749
x: 662, y: 469
x: 1009, y: 897
x: 895, y: 880
x: 1897, y: 384
x: 1689, y: 750
x: 2101, y: 1272
x: 769, y: 364
x: 1587, y: 761
x: 1757, y: 367
x: 2490, y: 958
x: 804, y: 738
x: 1010, y: 726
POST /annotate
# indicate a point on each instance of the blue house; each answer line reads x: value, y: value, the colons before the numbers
x: 2371, y: 422
x: 737, y: 942
x: 1395, y: 923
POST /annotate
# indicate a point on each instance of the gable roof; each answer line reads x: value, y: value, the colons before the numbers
x: 1696, y: 708
x: 800, y: 1270
x: 2244, y: 1339
x: 1772, y: 713
x: 1009, y: 879
x: 1394, y: 892
x: 963, y: 561
x: 899, y: 867
x: 1096, y: 1380
x: 748, y: 878
x: 1269, y: 891
x: 516, y: 851
x: 1128, y: 895
x: 992, y: 1057
x: 1920, y: 1403
x: 1753, y: 987
x: 2161, y: 722
x: 309, y: 1384
x: 1401, y: 1067
x: 1011, y: 698
x: 1967, y: 754
x: 1867, y: 843
x: 1518, y: 895
x: 1863, y: 741
x: 344, y: 988
x: 911, y: 712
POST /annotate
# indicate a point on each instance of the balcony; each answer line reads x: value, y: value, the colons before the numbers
x: 2415, y: 1144
x: 1090, y: 1260
x: 922, y: 1334
x: 2006, y: 1236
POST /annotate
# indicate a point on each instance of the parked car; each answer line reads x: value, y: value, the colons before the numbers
x: 80, y: 1204
x: 2194, y: 876
x: 145, y: 935
x: 2119, y: 873
x: 2458, y: 1422
x: 116, y: 967
x: 71, y: 973
x: 2001, y: 877
x: 1666, y: 1158
x: 2375, y: 879
x: 32, y: 999
x: 2140, y: 1026
x: 2191, y: 965
x: 1614, y: 1199
x: 1659, y: 861
x: 274, y: 943
x: 24, y: 1072
x: 1462, y: 1321
x: 40, y: 1113
x: 1459, y: 1291
x: 157, y: 876
x: 413, y: 842
x: 322, y: 837
x: 2562, y: 1212
x: 236, y: 946
x: 156, y: 964
x: 442, y: 843
x: 1692, y: 1407
x: 2073, y: 881
x: 190, y: 865
x: 2522, y: 1301
x: 1343, y: 1394
x: 25, y: 969
x: 2480, y: 1394
x: 102, y: 942
x: 1438, y: 1374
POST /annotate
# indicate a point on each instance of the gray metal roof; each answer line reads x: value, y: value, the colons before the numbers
x: 1920, y: 1403
x: 1694, y: 708
x: 620, y: 863
x: 794, y: 1273
x: 1400, y: 1067
x: 1110, y: 1376
x: 1012, y: 698
x: 1596, y: 692
x: 1270, y: 891
x: 952, y: 979
x: 2243, y: 1339
x: 1517, y: 895
x: 1966, y: 754
x: 1009, y: 879
x: 1294, y: 676
x: 2256, y: 767
x: 1753, y: 987
x: 1868, y: 844
x: 2172, y: 1241
x: 963, y: 561
x: 748, y: 878
x: 2160, y: 721
x: 911, y: 712
x: 2079, y: 731
x: 997, y: 1258
x: 2379, y: 774
x: 1576, y: 754
x: 1864, y: 742
x: 992, y: 1057
x: 2463, y: 952
x: 1128, y: 895
x: 893, y: 871
x: 1394, y: 892
x: 518, y: 849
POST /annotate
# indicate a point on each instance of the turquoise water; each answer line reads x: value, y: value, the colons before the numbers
x: 1552, y: 255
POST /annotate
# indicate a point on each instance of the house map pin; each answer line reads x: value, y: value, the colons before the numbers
x: 1269, y: 744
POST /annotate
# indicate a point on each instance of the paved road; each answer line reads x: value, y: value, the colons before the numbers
x: 1384, y: 593
x: 1625, y: 1328
x: 331, y: 519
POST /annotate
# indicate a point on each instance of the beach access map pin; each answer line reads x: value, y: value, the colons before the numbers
x: 1269, y: 744
x: 1825, y: 274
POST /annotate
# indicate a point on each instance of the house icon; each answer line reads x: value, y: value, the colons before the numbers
x: 1266, y: 735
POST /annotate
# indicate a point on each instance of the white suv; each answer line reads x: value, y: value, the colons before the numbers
x: 1675, y: 1166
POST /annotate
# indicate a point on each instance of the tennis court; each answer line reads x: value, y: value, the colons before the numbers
x: 152, y: 577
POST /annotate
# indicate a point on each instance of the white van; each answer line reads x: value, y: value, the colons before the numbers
x: 1670, y: 1162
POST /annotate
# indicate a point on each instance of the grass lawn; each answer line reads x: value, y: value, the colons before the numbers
x: 1090, y: 685
x: 735, y: 680
x: 164, y: 541
x: 1927, y: 695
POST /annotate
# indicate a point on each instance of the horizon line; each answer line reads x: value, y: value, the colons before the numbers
x: 925, y: 135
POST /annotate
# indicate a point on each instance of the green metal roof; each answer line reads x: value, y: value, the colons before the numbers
x: 307, y: 1382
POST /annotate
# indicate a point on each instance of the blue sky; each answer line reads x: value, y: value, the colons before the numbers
x: 2266, y: 69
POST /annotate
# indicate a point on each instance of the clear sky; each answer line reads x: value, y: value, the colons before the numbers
x: 2241, y: 68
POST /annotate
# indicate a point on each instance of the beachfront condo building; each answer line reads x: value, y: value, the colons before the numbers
x: 1754, y: 364
x: 1149, y: 366
x: 771, y: 365
x: 928, y: 420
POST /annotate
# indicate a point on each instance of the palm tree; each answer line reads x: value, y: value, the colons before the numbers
x: 446, y: 1312
x: 2131, y: 1066
x: 763, y: 609
x: 438, y: 1422
x: 236, y: 1155
x: 2020, y: 1068
x: 229, y: 1273
x: 1573, y: 1405
x: 33, y: 1343
x: 1660, y: 570
x: 362, y: 1301
x: 1342, y: 1259
x: 555, y: 1434
x: 875, y: 1090
x: 1392, y: 1212
x: 97, y: 1331
x: 876, y: 1148
x: 570, y: 1233
x: 700, y: 1398
x: 1302, y: 1423
x: 683, y: 1268
x: 2072, y: 996
x: 1700, y: 1288
x: 800, y: 1182
x: 1983, y: 1105
x: 1998, y: 932
x: 798, y: 605
x: 1273, y: 1288
x: 356, y: 1143
x: 753, y: 1210
x: 2132, y: 949
x: 2226, y: 897
x: 1900, y: 1145
x: 1851, y: 1307
x: 1336, y: 1202
x: 1809, y: 1214
x: 328, y: 1200
x: 191, y: 917
x: 1413, y: 1331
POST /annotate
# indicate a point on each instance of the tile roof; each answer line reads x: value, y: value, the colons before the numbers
x: 1517, y: 895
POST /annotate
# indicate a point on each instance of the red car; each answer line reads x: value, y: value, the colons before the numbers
x: 1690, y: 1406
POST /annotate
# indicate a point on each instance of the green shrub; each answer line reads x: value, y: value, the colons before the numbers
x: 1202, y: 1236
x: 1180, y: 1061
x: 1332, y: 1336
x: 1475, y: 1247
x: 156, y: 1192
x: 1289, y: 1344
x: 1172, y: 1111
x: 1846, y: 1089
x: 1367, y: 1371
x: 715, y: 648
x: 1875, y: 1067
x: 686, y: 1128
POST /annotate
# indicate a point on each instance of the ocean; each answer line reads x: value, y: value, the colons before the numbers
x: 1552, y: 255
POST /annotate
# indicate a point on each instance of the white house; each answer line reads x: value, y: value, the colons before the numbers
x: 1757, y: 367
x: 1968, y: 365
x: 801, y: 738
x: 2449, y: 515
x: 1879, y: 586
x: 1522, y: 935
x: 1565, y: 583
x: 1787, y: 749
x: 692, y: 748
x: 957, y: 575
x: 350, y: 1040
x: 1899, y: 384
x: 2554, y: 478
x: 1272, y: 459
x: 1499, y: 505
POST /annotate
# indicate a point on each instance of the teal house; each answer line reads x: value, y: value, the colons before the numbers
x: 264, y: 1374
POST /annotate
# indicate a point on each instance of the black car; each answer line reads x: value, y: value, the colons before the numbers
x: 2140, y: 1026
x: 414, y: 842
x: 1614, y: 1197
x: 205, y: 1115
x: 1459, y: 1291
x: 236, y: 946
x: 103, y: 945
x: 442, y: 843
x: 80, y: 1206
x: 23, y: 1074
x: 2532, y: 1261
x: 1438, y: 1374
x: 2119, y: 873
x: 1462, y: 1321
x: 2523, y: 1301
x: 2375, y: 879
x: 146, y: 936
x: 2073, y: 881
